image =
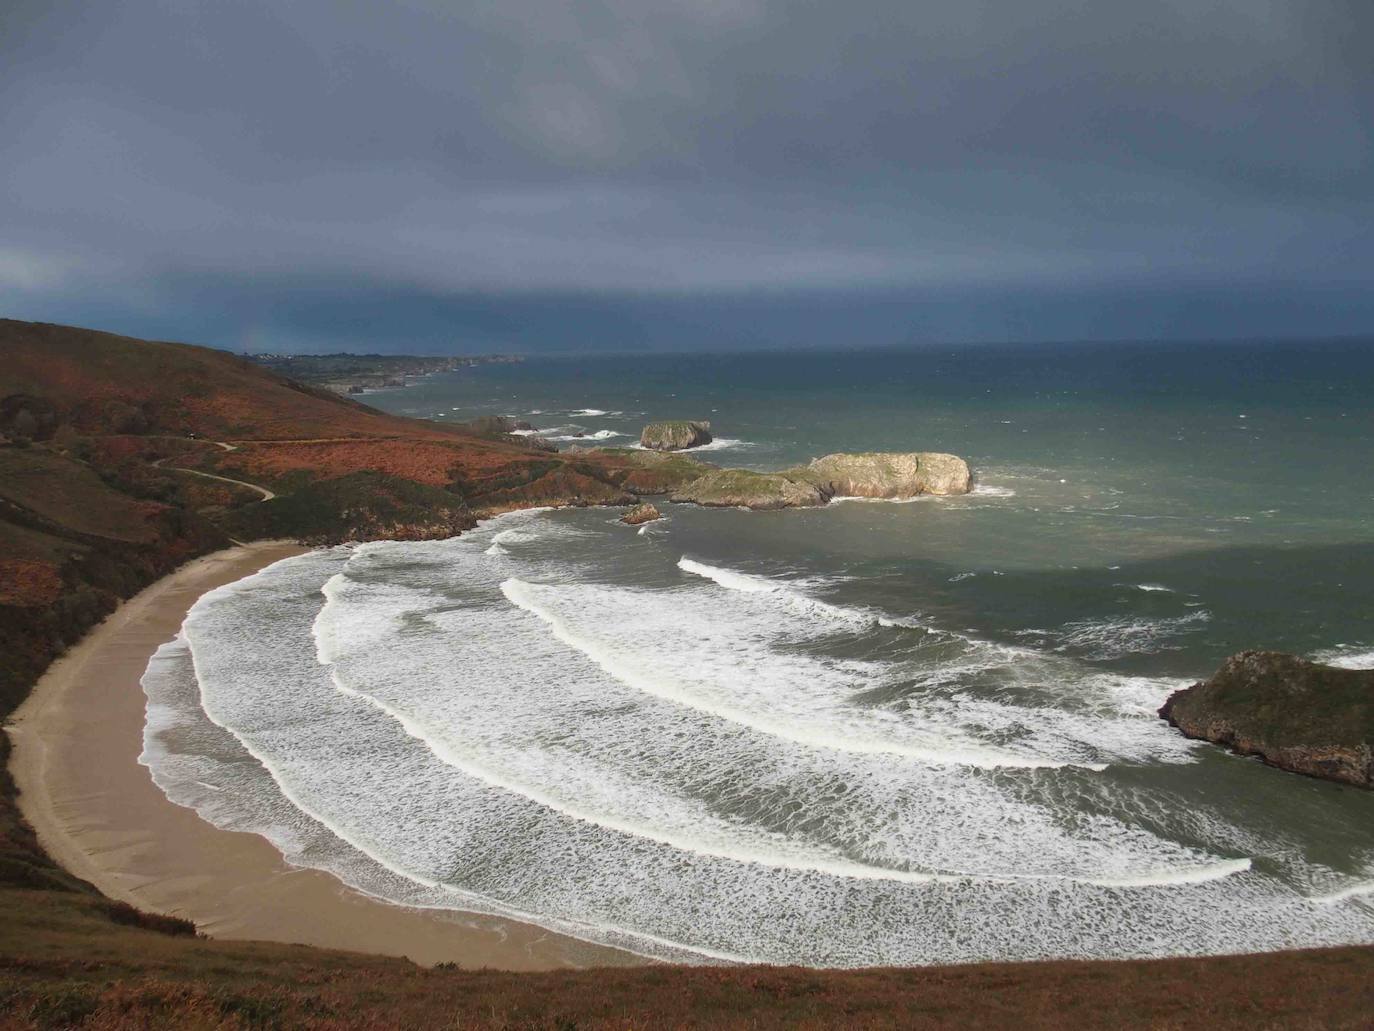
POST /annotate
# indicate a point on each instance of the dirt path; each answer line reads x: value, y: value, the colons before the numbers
x: 267, y: 495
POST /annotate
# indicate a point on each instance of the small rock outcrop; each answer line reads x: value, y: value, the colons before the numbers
x: 1294, y: 714
x: 890, y: 474
x: 677, y: 435
x: 642, y: 513
x: 744, y: 488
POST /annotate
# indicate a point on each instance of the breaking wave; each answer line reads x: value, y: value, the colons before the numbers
x: 695, y: 761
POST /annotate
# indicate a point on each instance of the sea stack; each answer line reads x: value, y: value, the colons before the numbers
x: 898, y: 474
x: 1297, y: 715
x: 675, y: 435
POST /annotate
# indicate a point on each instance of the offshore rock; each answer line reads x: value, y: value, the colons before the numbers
x: 744, y: 488
x: 641, y: 513
x: 1294, y: 714
x: 889, y: 474
x: 677, y: 435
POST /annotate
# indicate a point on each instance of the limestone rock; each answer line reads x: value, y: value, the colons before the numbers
x: 1292, y: 713
x: 641, y: 513
x: 677, y: 435
x: 890, y: 474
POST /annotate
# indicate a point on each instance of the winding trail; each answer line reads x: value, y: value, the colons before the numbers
x: 267, y: 495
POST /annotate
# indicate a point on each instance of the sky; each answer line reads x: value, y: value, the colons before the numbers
x: 523, y: 175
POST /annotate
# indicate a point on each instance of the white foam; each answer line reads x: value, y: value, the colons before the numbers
x: 457, y: 752
x: 713, y: 693
x: 1347, y: 656
x: 988, y: 490
x: 1112, y: 637
x: 1358, y: 890
x: 598, y: 435
x: 717, y: 444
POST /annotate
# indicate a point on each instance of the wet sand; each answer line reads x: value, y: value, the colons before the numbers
x: 77, y: 739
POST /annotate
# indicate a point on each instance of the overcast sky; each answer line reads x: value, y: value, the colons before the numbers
x: 519, y: 174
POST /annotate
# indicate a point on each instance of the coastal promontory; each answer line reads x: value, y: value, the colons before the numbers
x: 1298, y: 715
x: 745, y: 488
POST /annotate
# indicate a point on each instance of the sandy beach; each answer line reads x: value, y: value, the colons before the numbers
x: 97, y: 812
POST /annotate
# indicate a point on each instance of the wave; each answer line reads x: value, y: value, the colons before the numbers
x: 598, y: 435
x: 987, y: 490
x: 717, y: 444
x: 591, y: 785
x: 792, y: 852
x: 1347, y: 656
x: 748, y: 583
x: 1113, y: 637
x: 723, y: 703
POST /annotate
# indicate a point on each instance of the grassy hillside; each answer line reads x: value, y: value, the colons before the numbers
x: 109, y: 453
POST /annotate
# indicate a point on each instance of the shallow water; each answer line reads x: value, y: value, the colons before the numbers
x: 870, y: 733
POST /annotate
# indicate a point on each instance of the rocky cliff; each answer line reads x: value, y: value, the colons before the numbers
x: 865, y: 475
x: 1292, y: 713
x: 890, y: 474
x: 677, y: 435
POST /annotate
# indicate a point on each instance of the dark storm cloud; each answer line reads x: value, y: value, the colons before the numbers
x: 456, y: 171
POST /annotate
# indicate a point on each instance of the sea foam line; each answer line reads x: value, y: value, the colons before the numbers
x: 469, y: 900
x: 521, y: 594
x: 720, y: 847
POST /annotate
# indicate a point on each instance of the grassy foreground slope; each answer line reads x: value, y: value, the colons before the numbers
x: 109, y: 453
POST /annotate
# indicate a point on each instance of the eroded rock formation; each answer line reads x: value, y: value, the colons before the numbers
x: 1294, y: 714
x: 890, y: 474
x: 676, y: 435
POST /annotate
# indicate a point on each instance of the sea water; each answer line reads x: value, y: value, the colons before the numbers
x: 872, y: 733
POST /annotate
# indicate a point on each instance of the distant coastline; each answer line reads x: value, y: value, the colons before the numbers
x: 353, y: 374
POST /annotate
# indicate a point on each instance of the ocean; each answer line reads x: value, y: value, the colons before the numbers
x: 872, y: 733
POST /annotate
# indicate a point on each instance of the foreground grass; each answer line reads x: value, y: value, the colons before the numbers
x: 65, y: 963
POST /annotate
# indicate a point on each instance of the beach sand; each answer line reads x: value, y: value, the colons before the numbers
x: 97, y: 812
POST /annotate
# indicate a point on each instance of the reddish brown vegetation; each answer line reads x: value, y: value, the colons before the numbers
x: 25, y: 582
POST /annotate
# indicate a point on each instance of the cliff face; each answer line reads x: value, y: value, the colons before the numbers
x: 890, y: 474
x: 1294, y: 714
x: 676, y: 435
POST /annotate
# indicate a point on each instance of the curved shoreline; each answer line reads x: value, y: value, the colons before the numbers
x: 76, y: 741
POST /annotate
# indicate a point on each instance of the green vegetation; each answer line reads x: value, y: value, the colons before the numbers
x: 357, y: 506
x: 1295, y: 714
x: 731, y: 487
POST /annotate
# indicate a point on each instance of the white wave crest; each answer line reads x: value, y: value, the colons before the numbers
x: 1347, y: 656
